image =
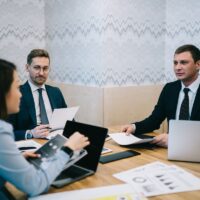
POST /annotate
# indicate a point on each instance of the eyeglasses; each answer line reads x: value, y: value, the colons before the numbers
x: 38, y: 69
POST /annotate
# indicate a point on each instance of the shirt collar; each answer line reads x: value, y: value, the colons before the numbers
x: 194, y: 86
x: 34, y: 87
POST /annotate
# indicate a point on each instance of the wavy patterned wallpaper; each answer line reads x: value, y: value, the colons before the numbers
x: 22, y: 27
x: 182, y: 27
x: 106, y: 43
x: 100, y: 42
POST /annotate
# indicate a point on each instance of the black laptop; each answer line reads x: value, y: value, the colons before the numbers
x: 88, y: 164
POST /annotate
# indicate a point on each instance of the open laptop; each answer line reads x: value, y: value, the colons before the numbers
x: 88, y: 164
x: 184, y: 140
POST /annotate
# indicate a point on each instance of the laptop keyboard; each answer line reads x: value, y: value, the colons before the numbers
x: 72, y: 172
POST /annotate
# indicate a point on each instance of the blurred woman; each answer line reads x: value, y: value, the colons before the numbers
x: 14, y: 168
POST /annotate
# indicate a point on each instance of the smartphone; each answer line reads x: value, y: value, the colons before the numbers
x: 118, y: 156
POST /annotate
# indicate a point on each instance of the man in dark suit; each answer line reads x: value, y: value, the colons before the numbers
x: 38, y: 99
x: 178, y: 100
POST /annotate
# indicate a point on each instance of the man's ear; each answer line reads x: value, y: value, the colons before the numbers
x: 197, y: 65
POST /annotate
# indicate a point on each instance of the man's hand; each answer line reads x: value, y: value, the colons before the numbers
x: 128, y: 129
x: 161, y: 140
x: 40, y: 131
x: 77, y: 141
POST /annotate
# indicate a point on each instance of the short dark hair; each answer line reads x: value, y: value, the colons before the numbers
x: 37, y: 53
x: 6, y: 78
x: 195, y: 52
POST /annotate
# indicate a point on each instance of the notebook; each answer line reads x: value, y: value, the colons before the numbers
x: 88, y: 164
x: 184, y: 140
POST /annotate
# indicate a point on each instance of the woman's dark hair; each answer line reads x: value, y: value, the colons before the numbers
x: 6, y: 78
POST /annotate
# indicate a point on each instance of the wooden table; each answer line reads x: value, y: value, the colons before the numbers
x: 103, y: 176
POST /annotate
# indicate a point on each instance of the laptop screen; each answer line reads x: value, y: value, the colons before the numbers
x: 96, y: 137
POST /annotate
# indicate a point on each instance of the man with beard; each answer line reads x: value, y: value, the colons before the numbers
x: 38, y: 99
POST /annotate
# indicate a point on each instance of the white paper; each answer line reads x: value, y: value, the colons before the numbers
x: 113, y: 192
x: 155, y: 179
x: 28, y: 143
x: 123, y: 139
x: 124, y: 175
x: 52, y: 134
x: 59, y: 118
x: 61, y: 115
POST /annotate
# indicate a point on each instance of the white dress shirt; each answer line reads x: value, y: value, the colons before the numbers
x: 47, y: 104
x: 192, y: 94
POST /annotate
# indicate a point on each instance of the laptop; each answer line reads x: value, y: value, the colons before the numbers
x: 184, y: 140
x: 88, y: 164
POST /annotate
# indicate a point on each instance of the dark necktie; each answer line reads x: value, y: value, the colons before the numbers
x: 43, y: 113
x: 184, y: 111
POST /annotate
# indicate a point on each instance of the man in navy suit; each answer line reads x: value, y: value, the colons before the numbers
x: 186, y: 68
x: 28, y: 122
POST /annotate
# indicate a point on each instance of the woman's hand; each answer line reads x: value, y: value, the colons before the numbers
x: 30, y: 154
x: 77, y: 141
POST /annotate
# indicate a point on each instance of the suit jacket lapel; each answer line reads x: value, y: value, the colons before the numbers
x: 28, y: 97
x: 196, y: 105
x: 175, y: 96
x: 50, y: 95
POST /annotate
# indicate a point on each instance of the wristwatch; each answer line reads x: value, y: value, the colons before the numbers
x: 29, y: 134
x: 67, y: 150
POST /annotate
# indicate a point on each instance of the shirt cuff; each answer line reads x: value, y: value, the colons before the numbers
x: 134, y: 128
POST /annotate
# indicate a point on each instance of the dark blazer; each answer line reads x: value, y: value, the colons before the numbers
x: 166, y: 108
x: 25, y: 119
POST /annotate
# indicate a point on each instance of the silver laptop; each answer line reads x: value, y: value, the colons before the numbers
x: 184, y: 140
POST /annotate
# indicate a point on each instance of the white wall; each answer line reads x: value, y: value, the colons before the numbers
x: 22, y: 28
x: 182, y: 27
x: 106, y: 44
x: 99, y: 42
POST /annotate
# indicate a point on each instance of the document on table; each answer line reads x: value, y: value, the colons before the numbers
x: 59, y: 118
x: 123, y: 139
x: 157, y: 179
x: 113, y: 192
x: 27, y: 145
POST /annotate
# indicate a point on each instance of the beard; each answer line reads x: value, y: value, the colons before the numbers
x: 40, y: 80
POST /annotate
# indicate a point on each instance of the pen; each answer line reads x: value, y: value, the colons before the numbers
x: 47, y: 127
x: 26, y: 148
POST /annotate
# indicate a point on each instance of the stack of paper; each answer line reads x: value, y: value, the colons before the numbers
x: 158, y: 178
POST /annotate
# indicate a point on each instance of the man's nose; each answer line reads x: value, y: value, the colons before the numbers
x: 178, y: 66
x: 41, y: 71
